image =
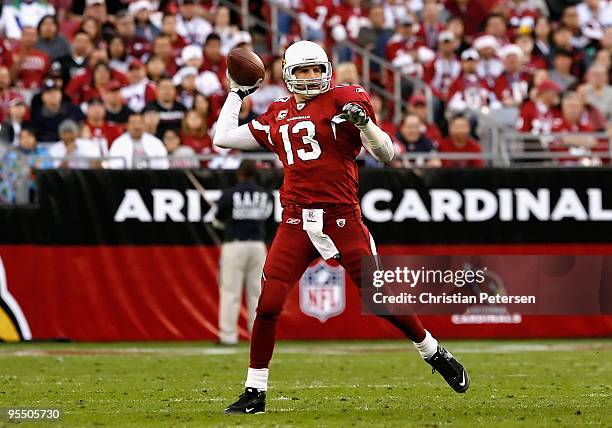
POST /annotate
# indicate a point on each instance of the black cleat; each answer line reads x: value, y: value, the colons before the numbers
x: 451, y: 370
x: 251, y: 401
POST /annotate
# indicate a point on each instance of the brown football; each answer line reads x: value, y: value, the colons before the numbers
x: 245, y: 67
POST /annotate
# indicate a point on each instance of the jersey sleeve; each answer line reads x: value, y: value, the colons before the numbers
x: 353, y: 94
x: 260, y: 128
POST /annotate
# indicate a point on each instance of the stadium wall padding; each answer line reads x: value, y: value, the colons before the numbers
x: 81, y: 267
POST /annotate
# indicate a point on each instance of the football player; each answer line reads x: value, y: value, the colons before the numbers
x: 317, y: 133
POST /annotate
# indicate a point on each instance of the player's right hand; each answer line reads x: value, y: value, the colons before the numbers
x: 243, y: 90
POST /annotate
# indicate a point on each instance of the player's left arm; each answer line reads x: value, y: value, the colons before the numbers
x: 375, y: 140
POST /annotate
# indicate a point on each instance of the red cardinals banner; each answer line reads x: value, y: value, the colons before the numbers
x: 116, y: 255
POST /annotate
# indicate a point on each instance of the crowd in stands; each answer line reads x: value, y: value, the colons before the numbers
x: 84, y: 81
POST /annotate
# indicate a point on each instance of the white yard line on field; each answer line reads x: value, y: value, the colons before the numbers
x: 333, y: 348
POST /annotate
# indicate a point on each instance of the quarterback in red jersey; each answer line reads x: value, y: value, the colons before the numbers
x: 317, y: 133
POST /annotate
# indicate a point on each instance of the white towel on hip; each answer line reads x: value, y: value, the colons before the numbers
x: 312, y: 220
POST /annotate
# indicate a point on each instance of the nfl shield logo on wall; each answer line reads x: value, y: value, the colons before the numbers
x: 322, y: 291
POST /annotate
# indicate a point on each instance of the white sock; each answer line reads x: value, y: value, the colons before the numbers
x: 257, y: 378
x: 427, y: 347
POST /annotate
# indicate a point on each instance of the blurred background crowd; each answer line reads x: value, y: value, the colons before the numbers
x: 86, y: 82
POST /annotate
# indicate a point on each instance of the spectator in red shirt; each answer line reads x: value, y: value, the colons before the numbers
x: 214, y: 60
x: 469, y: 93
x: 431, y: 26
x: 313, y: 17
x: 403, y: 41
x: 445, y: 68
x: 573, y: 120
x: 473, y: 13
x: 97, y: 129
x: 512, y: 86
x: 489, y: 66
x: 539, y: 116
x: 417, y: 105
x: 459, y: 141
x: 162, y: 48
x: 168, y: 28
x: 30, y: 66
x: 194, y: 133
x: 6, y: 92
x: 136, y: 46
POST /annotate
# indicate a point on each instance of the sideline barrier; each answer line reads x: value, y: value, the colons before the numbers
x: 123, y: 255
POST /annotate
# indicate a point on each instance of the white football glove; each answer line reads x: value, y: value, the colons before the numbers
x: 243, y: 90
x: 355, y: 114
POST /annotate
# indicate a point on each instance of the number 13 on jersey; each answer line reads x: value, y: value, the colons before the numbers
x: 308, y: 139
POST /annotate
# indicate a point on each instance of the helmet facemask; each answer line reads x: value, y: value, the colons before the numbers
x: 309, y: 88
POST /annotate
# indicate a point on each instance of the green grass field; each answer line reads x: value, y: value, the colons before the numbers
x: 312, y: 384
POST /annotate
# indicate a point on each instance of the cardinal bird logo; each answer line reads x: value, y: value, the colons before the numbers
x: 13, y: 324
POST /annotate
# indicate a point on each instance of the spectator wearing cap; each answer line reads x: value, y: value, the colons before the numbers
x: 403, y: 41
x: 431, y: 26
x: 97, y: 128
x: 206, y: 82
x: 141, y: 10
x: 469, y: 93
x: 136, y: 46
x: 17, y: 15
x: 74, y: 152
x: 489, y: 66
x: 171, y: 112
x: 50, y: 41
x: 168, y: 27
x: 30, y: 65
x: 214, y: 60
x: 445, y: 68
x: 512, y: 85
x: 7, y: 93
x: 561, y: 71
x: 53, y: 110
x: 417, y: 105
x: 17, y: 112
x: 137, y: 149
x: 597, y: 90
x: 411, y: 139
x: 185, y: 83
x: 117, y: 112
x: 192, y: 27
x: 538, y: 116
x: 75, y: 63
x: 140, y: 90
x: 459, y: 141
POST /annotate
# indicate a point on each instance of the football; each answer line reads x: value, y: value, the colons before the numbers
x: 245, y: 67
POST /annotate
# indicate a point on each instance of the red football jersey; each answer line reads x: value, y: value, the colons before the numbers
x: 317, y: 148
